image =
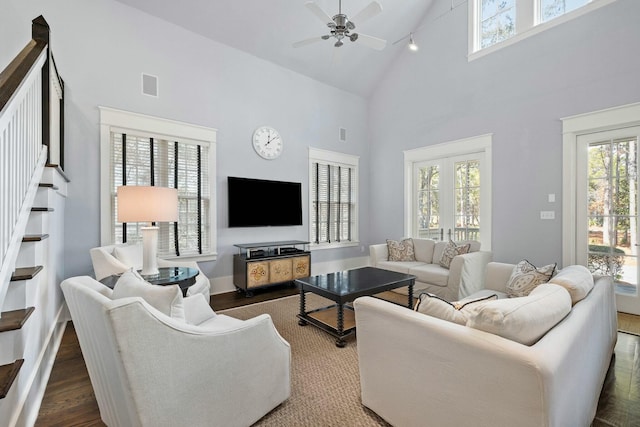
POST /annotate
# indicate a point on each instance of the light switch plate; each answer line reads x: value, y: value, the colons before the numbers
x: 547, y: 214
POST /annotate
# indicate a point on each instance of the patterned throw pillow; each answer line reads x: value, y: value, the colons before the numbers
x: 401, y: 251
x: 526, y: 276
x: 456, y: 312
x: 450, y: 251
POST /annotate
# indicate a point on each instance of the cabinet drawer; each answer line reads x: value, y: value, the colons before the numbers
x: 280, y: 270
x: 301, y: 266
x: 257, y: 274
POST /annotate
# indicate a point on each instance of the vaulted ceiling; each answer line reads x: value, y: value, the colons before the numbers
x: 268, y: 28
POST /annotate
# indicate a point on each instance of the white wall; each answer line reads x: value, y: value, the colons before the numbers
x: 102, y: 47
x: 519, y: 94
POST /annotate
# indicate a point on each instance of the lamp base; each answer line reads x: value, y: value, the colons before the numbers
x: 149, y: 252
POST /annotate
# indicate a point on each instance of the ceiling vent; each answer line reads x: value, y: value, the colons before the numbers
x: 150, y: 85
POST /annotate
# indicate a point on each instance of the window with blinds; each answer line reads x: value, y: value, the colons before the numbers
x: 333, y: 207
x: 140, y: 160
x: 176, y: 155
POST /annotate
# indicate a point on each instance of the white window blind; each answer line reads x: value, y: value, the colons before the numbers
x: 333, y: 202
x: 143, y: 160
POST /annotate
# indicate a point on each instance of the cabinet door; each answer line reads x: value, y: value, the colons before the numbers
x: 257, y: 274
x: 280, y: 270
x: 301, y: 266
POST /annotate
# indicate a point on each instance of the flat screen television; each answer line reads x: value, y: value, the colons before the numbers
x: 262, y: 203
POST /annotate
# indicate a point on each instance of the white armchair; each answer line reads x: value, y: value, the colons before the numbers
x: 116, y: 259
x: 148, y: 369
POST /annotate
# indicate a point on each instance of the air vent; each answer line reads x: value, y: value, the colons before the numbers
x: 149, y: 85
x: 343, y: 135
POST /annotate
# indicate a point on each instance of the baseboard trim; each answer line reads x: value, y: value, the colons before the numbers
x: 224, y: 284
x: 28, y: 414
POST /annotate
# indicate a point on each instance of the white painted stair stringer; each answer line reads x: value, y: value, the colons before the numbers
x: 8, y: 263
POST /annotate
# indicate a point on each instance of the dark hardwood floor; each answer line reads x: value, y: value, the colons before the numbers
x: 69, y: 399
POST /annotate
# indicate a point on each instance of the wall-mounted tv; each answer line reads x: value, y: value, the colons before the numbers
x: 261, y: 203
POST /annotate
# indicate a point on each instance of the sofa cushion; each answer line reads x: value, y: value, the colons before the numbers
x: 484, y: 293
x: 401, y: 251
x: 130, y: 255
x: 576, y: 279
x: 423, y: 249
x: 523, y: 319
x: 526, y: 276
x: 450, y: 251
x: 430, y: 273
x: 456, y: 312
x: 399, y: 266
x: 166, y: 299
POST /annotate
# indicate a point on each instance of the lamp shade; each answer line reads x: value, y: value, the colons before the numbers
x: 147, y: 204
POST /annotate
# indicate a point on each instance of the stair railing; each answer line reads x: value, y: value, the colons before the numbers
x: 31, y: 105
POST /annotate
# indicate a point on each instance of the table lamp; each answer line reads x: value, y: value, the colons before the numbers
x: 148, y: 204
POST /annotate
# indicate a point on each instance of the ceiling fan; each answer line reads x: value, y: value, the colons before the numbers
x: 341, y: 26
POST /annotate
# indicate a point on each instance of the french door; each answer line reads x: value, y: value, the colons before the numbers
x: 607, y: 210
x: 446, y: 199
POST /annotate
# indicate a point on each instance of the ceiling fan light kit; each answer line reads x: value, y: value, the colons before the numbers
x: 340, y: 26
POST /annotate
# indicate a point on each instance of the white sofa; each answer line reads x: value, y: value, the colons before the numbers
x: 464, y: 276
x: 116, y: 259
x: 150, y: 369
x: 418, y: 370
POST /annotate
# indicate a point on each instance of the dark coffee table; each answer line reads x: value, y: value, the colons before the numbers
x: 343, y: 287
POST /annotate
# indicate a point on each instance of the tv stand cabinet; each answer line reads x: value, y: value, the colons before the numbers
x: 264, y: 264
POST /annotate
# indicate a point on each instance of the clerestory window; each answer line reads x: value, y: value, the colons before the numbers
x: 494, y: 24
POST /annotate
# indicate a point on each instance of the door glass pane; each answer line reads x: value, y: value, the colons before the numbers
x: 467, y: 200
x: 612, y: 211
x: 428, y: 202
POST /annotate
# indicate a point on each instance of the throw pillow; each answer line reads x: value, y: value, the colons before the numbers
x: 577, y: 279
x: 526, y: 276
x: 451, y: 251
x: 456, y: 312
x: 401, y: 251
x: 130, y: 255
x: 166, y: 299
x: 526, y: 319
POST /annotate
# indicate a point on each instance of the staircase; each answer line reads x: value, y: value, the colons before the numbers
x: 33, y: 189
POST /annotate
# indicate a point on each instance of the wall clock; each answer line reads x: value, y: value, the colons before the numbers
x: 267, y: 142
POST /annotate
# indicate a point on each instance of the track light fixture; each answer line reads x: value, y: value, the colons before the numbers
x: 412, y: 45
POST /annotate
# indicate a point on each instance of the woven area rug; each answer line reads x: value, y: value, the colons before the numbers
x: 325, y: 384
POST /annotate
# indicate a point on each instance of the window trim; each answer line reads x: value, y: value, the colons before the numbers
x: 476, y: 144
x: 527, y: 24
x: 114, y: 120
x: 335, y: 158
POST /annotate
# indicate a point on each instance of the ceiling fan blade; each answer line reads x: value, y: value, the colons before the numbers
x: 370, y: 41
x: 307, y: 41
x: 368, y: 12
x: 321, y: 14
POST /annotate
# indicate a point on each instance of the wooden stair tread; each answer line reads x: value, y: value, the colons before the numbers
x: 34, y: 237
x: 59, y: 169
x: 13, y: 320
x: 41, y: 209
x: 8, y: 374
x: 25, y: 273
x: 47, y: 185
